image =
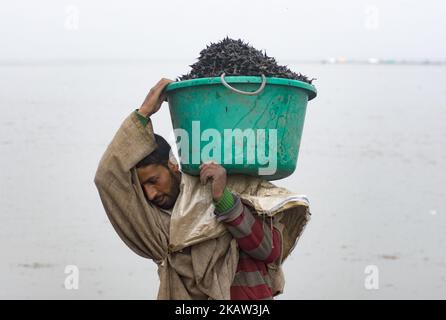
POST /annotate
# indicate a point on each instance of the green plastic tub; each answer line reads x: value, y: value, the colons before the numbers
x: 250, y: 125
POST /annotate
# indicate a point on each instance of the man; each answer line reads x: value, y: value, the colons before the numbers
x: 139, y: 183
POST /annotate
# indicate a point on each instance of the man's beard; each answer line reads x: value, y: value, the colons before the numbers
x: 174, y: 191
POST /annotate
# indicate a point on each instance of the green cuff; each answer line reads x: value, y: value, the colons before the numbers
x: 144, y: 120
x: 226, y: 201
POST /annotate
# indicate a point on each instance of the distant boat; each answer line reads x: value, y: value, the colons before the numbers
x: 373, y: 60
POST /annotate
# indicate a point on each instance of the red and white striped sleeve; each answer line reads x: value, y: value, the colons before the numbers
x: 254, y: 235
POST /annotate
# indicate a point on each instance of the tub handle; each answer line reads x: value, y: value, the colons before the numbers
x: 253, y: 93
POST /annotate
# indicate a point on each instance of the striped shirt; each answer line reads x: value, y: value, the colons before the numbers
x: 259, y: 244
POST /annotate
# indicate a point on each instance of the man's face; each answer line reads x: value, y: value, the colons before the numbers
x: 161, y: 185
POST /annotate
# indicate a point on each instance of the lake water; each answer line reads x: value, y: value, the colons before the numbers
x: 372, y: 163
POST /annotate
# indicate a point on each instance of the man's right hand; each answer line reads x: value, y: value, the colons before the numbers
x: 154, y: 99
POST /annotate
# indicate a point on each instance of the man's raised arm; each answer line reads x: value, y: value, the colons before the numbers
x: 132, y: 142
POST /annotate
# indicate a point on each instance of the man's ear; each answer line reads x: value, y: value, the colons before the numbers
x: 173, y: 166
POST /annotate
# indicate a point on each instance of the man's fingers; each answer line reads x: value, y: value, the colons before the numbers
x: 206, y: 167
x: 204, y: 177
x: 162, y: 83
x: 159, y: 87
x: 207, y: 170
x: 203, y: 165
x: 206, y: 173
x: 208, y: 163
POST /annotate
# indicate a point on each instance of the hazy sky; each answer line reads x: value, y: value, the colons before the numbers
x: 286, y: 29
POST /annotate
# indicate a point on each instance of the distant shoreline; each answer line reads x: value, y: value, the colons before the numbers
x: 111, y: 61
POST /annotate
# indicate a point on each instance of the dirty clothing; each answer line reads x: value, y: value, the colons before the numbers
x: 200, y: 265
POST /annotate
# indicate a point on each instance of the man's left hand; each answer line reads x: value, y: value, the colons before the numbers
x: 217, y: 174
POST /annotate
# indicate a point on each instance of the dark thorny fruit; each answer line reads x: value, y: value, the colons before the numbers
x: 236, y: 58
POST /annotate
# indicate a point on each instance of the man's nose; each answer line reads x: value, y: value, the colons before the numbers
x: 151, y: 192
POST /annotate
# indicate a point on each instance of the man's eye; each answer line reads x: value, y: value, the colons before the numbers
x: 151, y: 181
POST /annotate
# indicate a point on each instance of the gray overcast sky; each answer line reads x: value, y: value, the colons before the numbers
x: 286, y: 29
